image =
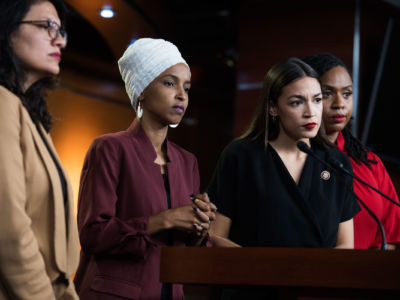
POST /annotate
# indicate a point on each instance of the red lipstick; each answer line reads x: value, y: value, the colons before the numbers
x: 56, y: 55
x: 338, y: 118
x: 310, y: 125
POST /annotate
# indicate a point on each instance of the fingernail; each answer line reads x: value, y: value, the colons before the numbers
x: 195, y: 208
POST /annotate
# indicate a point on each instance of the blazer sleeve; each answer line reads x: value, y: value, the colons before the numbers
x: 22, y: 268
x: 101, y: 231
x: 223, y: 186
x: 391, y: 213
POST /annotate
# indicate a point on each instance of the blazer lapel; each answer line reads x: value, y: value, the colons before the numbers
x: 72, y: 237
x: 301, y: 195
x: 306, y: 183
x: 60, y: 246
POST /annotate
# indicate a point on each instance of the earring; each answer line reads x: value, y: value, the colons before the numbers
x: 173, y: 125
x: 139, y: 110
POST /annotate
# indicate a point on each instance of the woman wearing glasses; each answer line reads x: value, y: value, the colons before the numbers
x: 38, y: 235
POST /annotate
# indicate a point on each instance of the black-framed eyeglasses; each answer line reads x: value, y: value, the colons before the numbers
x: 52, y: 28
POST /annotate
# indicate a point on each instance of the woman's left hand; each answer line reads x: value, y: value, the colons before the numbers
x: 202, y: 205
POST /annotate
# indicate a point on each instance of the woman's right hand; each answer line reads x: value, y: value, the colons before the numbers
x: 188, y: 217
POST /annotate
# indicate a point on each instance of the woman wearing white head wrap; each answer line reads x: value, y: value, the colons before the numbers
x: 137, y: 187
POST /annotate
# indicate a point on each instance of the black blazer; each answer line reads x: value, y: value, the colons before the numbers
x: 252, y: 187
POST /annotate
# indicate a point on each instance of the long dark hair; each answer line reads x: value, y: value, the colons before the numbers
x: 12, y: 75
x: 279, y: 76
x: 322, y: 63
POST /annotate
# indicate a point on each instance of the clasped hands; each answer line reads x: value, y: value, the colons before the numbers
x: 204, y: 211
x: 195, y: 217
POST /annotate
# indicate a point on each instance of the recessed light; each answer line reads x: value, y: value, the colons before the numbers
x: 107, y: 12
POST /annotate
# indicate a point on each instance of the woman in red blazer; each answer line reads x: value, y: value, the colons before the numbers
x: 337, y: 91
x: 136, y: 186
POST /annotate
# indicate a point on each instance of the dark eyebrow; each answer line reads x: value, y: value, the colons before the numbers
x: 334, y: 88
x: 301, y: 96
x: 296, y: 96
x: 176, y: 78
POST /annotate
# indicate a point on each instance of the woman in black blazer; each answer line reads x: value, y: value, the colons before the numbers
x: 268, y: 192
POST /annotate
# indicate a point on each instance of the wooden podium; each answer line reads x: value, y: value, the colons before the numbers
x: 295, y: 273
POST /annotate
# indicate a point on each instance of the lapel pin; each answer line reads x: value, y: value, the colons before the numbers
x: 325, y: 175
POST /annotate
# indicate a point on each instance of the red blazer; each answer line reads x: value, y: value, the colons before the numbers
x: 120, y: 188
x: 366, y: 231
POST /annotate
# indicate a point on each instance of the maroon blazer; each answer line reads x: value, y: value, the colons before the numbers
x: 120, y: 188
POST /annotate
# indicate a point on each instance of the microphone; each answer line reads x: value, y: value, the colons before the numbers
x: 339, y: 166
x: 306, y: 149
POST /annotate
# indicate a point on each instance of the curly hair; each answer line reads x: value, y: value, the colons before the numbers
x: 12, y: 74
x: 322, y: 63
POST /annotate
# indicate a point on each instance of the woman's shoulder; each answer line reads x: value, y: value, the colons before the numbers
x: 8, y: 99
x: 5, y: 91
x: 373, y: 156
x: 376, y: 164
x: 11, y: 108
x: 108, y: 142
x: 242, y: 152
x: 332, y: 153
x: 243, y: 146
x: 114, y: 137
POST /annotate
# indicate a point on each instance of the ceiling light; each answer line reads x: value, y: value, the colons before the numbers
x: 107, y: 12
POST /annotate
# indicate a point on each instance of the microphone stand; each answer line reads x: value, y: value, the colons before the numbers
x: 339, y: 166
x: 381, y: 229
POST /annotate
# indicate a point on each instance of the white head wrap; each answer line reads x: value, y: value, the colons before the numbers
x: 143, y: 61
